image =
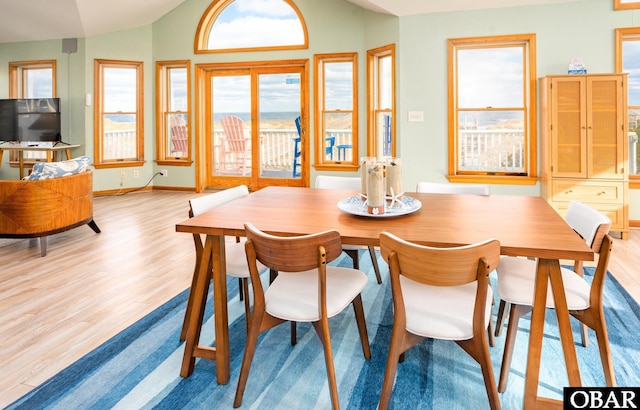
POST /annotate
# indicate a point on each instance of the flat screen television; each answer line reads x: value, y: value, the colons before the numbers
x: 8, y: 119
x: 30, y: 120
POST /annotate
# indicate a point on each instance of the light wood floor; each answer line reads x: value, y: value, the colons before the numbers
x: 54, y: 310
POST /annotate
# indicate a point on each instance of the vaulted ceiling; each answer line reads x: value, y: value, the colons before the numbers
x: 32, y: 20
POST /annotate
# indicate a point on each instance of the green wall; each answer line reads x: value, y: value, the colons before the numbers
x: 581, y: 28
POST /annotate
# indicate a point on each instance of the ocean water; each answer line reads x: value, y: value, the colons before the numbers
x: 244, y: 116
x: 264, y: 116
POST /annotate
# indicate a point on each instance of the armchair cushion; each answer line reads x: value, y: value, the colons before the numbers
x: 48, y: 170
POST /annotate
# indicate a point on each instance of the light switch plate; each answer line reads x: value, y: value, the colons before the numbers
x: 416, y: 116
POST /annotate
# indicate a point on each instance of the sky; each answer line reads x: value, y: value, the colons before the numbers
x: 271, y: 23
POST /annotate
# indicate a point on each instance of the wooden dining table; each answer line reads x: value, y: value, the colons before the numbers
x: 525, y: 226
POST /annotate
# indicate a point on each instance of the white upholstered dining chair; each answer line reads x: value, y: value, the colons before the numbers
x: 516, y: 279
x: 440, y: 293
x: 234, y: 248
x: 335, y: 182
x: 306, y: 289
x: 442, y: 188
x: 468, y: 189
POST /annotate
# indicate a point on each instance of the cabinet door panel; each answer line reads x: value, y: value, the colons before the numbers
x: 605, y: 127
x: 568, y: 120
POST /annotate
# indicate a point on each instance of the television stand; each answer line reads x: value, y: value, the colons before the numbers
x: 60, y: 142
x: 51, y: 151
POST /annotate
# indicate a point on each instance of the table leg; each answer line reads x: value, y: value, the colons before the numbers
x: 535, y: 336
x: 194, y: 321
x: 213, y: 256
x: 223, y: 366
x: 548, y: 270
x: 564, y: 324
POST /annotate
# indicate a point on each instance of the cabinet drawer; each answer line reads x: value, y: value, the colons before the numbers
x: 613, y: 211
x: 588, y: 191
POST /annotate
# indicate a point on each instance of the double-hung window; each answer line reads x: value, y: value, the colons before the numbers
x: 336, y: 110
x: 381, y: 140
x: 118, y: 131
x: 492, y: 109
x: 627, y: 61
x: 31, y: 79
x: 173, y: 129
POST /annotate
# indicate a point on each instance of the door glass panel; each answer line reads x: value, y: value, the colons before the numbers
x: 280, y: 143
x: 231, y: 145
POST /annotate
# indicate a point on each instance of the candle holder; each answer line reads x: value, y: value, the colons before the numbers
x: 375, y: 188
x: 363, y: 175
x: 394, y: 180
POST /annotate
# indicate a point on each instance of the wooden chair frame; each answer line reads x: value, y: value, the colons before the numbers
x: 294, y: 254
x: 439, y: 267
x: 593, y: 316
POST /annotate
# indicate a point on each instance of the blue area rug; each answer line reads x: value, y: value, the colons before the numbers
x: 139, y: 368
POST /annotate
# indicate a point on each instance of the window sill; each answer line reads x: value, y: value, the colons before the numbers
x: 337, y: 167
x: 493, y: 179
x: 175, y: 162
x: 119, y: 164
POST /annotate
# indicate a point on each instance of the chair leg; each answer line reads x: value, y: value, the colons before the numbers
x: 240, y: 289
x: 605, y: 356
x: 294, y: 337
x: 489, y: 379
x: 94, y: 226
x: 516, y: 312
x: 374, y: 260
x: 584, y: 334
x: 353, y: 254
x: 478, y: 348
x: 490, y: 337
x: 594, y: 318
x: 503, y: 309
x: 362, y: 326
x: 247, y: 358
x: 322, y: 329
x: 393, y: 359
x: 43, y: 246
x: 247, y: 308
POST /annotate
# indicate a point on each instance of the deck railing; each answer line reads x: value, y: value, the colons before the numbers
x: 488, y: 150
x: 491, y: 150
x: 277, y: 145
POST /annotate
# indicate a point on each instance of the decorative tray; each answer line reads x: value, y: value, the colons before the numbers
x: 354, y: 205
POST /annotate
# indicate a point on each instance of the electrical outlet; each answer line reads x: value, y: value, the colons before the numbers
x: 136, y: 173
x: 164, y: 172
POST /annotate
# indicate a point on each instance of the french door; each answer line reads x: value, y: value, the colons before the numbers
x: 250, y: 131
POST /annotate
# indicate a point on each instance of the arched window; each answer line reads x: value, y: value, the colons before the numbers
x: 246, y: 25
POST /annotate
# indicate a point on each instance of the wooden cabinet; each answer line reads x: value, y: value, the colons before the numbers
x: 584, y: 157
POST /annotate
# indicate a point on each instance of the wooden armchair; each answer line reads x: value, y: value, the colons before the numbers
x: 179, y: 136
x: 235, y: 148
x: 38, y: 208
